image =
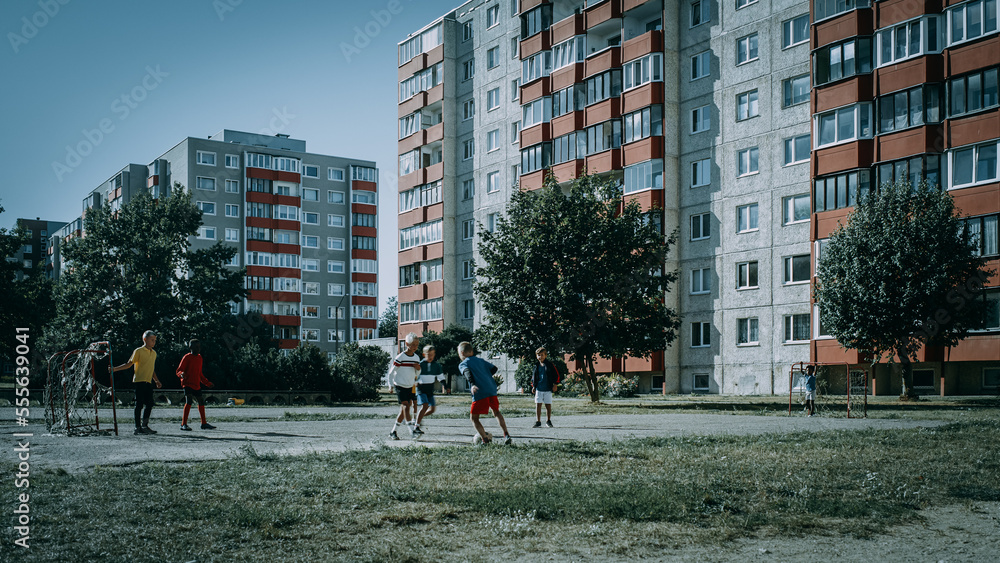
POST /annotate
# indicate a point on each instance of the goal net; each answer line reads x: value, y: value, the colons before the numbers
x: 839, y: 389
x: 857, y: 393
x: 77, y: 385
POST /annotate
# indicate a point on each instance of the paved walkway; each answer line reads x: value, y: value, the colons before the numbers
x: 267, y: 435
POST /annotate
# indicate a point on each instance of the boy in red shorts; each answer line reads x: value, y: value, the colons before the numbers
x: 189, y: 372
x: 479, y: 373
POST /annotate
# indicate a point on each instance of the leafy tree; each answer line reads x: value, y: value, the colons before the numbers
x: 255, y: 366
x: 136, y: 271
x: 579, y: 273
x: 900, y: 274
x: 305, y: 368
x: 358, y: 371
x: 525, y: 369
x: 388, y: 323
x: 446, y: 348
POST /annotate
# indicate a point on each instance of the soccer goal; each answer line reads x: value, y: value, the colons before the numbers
x: 77, y: 384
x: 839, y: 388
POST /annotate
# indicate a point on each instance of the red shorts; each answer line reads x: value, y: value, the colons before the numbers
x: 483, y: 406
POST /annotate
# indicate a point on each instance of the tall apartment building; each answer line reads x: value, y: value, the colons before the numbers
x: 908, y: 90
x: 33, y: 253
x: 304, y: 225
x: 689, y: 105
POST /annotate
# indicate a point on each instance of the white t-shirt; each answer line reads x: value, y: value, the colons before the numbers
x: 404, y: 370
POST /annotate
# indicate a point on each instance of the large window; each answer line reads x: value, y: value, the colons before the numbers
x: 573, y: 50
x: 797, y: 269
x: 840, y: 190
x: 797, y: 149
x: 973, y: 165
x: 909, y: 108
x: 604, y: 136
x: 746, y: 105
x: 644, y: 176
x: 795, y: 209
x: 569, y: 147
x: 538, y: 111
x: 971, y: 20
x: 536, y: 158
x: 569, y: 100
x: 419, y: 82
x: 844, y: 124
x: 823, y: 9
x: 972, y: 92
x: 700, y: 12
x: 420, y: 196
x: 842, y: 60
x: 418, y: 311
x: 747, y: 218
x: 797, y: 328
x: 748, y: 161
x: 746, y: 275
x: 746, y: 49
x: 643, y: 70
x: 983, y: 235
x: 603, y: 86
x: 647, y: 122
x: 747, y: 333
x: 912, y: 170
x: 700, y: 65
x: 425, y: 233
x: 909, y: 39
x: 536, y: 66
x: 795, y: 31
x: 795, y: 90
x: 701, y: 335
x: 425, y: 41
x: 535, y: 21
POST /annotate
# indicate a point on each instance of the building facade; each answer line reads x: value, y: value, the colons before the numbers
x: 33, y: 254
x: 304, y: 226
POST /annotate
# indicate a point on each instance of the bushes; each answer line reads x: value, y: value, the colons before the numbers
x: 358, y: 372
x: 610, y: 385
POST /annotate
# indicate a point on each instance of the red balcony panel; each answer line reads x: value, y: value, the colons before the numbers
x: 412, y: 255
x: 411, y: 67
x: 857, y: 89
x: 261, y: 271
x: 288, y: 200
x: 891, y: 12
x: 261, y: 246
x: 364, y: 300
x: 910, y: 73
x: 283, y: 176
x: 568, y: 171
x: 283, y: 320
x: 364, y: 231
x: 435, y: 289
x: 261, y: 173
x: 285, y: 296
x: 411, y: 142
x: 648, y: 199
x: 603, y: 111
x: 434, y: 251
x: 536, y: 134
x: 288, y: 273
x: 649, y: 42
x: 973, y: 56
x: 847, y: 156
x: 927, y: 139
x: 286, y: 224
x: 411, y: 180
x: 411, y: 293
x: 406, y: 107
x: 604, y: 161
x: 977, y: 200
x: 260, y: 197
x: 532, y: 181
x: 364, y: 208
x: 435, y: 132
x: 974, y: 129
x: 364, y: 185
x: 565, y: 124
x: 566, y: 76
x: 825, y: 223
x: 645, y: 95
x: 153, y: 180
x: 632, y: 4
x: 286, y: 248
x: 529, y: 4
x: 978, y: 348
x: 536, y: 89
x: 845, y: 26
x: 643, y: 150
x: 829, y: 351
x: 261, y: 222
x: 370, y: 278
x: 566, y: 28
x: 435, y: 55
x: 605, y: 60
x: 411, y: 218
x: 435, y: 94
x: 364, y: 323
x: 535, y: 44
x: 258, y: 295
x: 434, y: 172
x: 603, y: 12
x: 290, y: 344
x: 434, y: 212
x: 362, y: 254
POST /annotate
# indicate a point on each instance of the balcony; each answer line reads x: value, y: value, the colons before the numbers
x: 567, y: 28
x: 649, y: 42
x: 856, y: 89
x: 606, y: 59
x: 603, y: 111
x: 566, y: 124
x: 568, y: 171
x: 604, y: 161
x: 536, y: 134
x: 645, y: 95
x: 922, y: 70
x: 536, y: 89
x: 566, y: 76
x: 844, y: 26
x: 642, y: 150
x: 601, y: 12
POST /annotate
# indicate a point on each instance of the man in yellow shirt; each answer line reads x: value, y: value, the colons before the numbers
x: 144, y: 360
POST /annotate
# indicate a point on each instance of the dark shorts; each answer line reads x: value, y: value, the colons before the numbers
x: 404, y: 394
x: 425, y: 394
x: 483, y: 406
x: 191, y: 394
x: 144, y: 393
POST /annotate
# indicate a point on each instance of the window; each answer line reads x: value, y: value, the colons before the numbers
x: 701, y: 119
x: 647, y: 122
x: 982, y: 233
x: 643, y: 70
x: 364, y: 196
x: 744, y: 3
x: 746, y: 275
x: 796, y: 90
x: 842, y: 60
x: 468, y: 189
x: 232, y: 210
x: 536, y: 158
x: 334, y: 197
x: 701, y: 173
x: 468, y: 109
x: 206, y: 158
x: 364, y: 174
x: 567, y: 100
x: 536, y: 20
x: 538, y: 111
x: 513, y: 45
x: 797, y: 269
x: 823, y: 9
x: 604, y: 136
x: 206, y: 207
x: 493, y: 57
x: 335, y: 174
x: 310, y: 194
x: 971, y: 20
x: 335, y: 289
x: 571, y: 51
x: 288, y: 261
x: 310, y: 241
x: 468, y: 229
x: 493, y: 99
x: 746, y: 49
x: 797, y: 328
x: 795, y: 209
x: 468, y: 69
x: 233, y: 235
x: 700, y: 382
x: 701, y: 226
x: 603, y: 86
x: 797, y: 149
x: 207, y: 233
x: 205, y: 183
x: 258, y: 259
x: 233, y: 161
x: 416, y: 311
x: 364, y: 266
x: 310, y: 334
x: 746, y: 105
x: 468, y: 270
x: 700, y: 65
x: 536, y: 66
x: 468, y: 149
x: 310, y: 171
x: 515, y: 129
x: 334, y: 243
x: 569, y: 147
x: 310, y: 288
x: 335, y: 266
x: 747, y: 333
x: 492, y: 140
x: 700, y: 13
x: 310, y: 265
x: 232, y: 186
x: 991, y: 377
x: 972, y: 165
x: 310, y: 218
x: 467, y: 31
x: 430, y: 271
x: 840, y: 190
x: 910, y: 39
x: 909, y: 108
x: 701, y: 335
x: 643, y: 176
x: 286, y: 212
x: 701, y: 281
x: 972, y: 92
x: 749, y: 161
x: 420, y: 196
x: 468, y: 308
x: 363, y: 312
x: 992, y: 316
x: 795, y: 31
x: 492, y: 182
x: 364, y: 243
x: 843, y: 125
x: 334, y: 220
x: 746, y: 218
x: 515, y: 88
x: 492, y: 16
x: 424, y: 233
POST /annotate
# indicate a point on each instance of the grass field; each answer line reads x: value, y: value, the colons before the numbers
x: 631, y: 498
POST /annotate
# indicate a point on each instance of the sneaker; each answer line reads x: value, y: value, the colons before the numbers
x: 507, y: 441
x: 548, y: 423
x: 148, y: 430
x: 185, y: 428
x: 538, y: 424
x: 417, y: 430
x: 140, y: 431
x: 207, y: 426
x: 393, y: 435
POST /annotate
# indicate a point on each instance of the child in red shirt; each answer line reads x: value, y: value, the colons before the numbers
x: 189, y: 372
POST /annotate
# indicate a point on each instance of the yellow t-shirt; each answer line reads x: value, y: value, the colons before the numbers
x: 144, y: 363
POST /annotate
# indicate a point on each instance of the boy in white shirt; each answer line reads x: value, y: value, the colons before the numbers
x: 403, y: 379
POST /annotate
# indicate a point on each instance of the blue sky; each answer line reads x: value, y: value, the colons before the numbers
x: 216, y: 64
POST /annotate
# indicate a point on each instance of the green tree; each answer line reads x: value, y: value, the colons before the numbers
x: 579, y: 273
x: 388, y: 323
x: 526, y: 368
x: 136, y: 271
x: 305, y: 368
x: 445, y: 345
x: 358, y: 371
x: 900, y: 274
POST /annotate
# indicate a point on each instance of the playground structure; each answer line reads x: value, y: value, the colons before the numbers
x: 839, y: 387
x: 76, y: 381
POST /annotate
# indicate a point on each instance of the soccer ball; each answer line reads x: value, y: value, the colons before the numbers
x: 477, y: 439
